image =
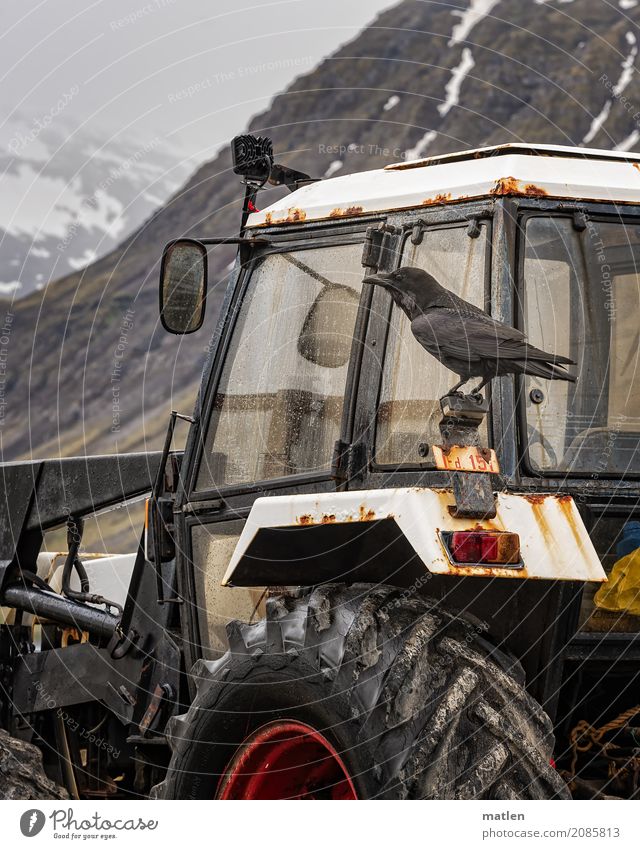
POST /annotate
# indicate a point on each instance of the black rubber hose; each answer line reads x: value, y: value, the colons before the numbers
x: 53, y: 606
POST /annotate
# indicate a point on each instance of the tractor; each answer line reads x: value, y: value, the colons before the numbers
x: 352, y: 583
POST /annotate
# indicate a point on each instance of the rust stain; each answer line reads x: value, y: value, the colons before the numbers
x: 366, y: 515
x: 442, y: 198
x: 296, y: 214
x: 511, y: 186
x: 328, y: 518
x: 636, y: 165
x: 488, y: 571
x: 306, y: 519
x: 536, y: 191
x: 345, y: 213
x: 534, y: 498
x: 506, y: 186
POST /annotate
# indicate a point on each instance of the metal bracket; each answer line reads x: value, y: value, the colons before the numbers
x: 375, y: 244
x: 462, y: 416
x: 348, y: 461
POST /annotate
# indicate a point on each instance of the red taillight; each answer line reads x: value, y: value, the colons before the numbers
x: 484, y: 547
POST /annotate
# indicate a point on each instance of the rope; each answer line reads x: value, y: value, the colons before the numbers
x: 584, y: 735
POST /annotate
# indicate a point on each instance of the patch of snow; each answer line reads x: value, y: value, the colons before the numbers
x: 40, y: 252
x: 623, y: 81
x: 627, y: 4
x: 79, y: 263
x: 336, y: 165
x: 452, y: 88
x: 418, y: 151
x: 53, y: 206
x: 627, y: 66
x: 597, y: 123
x: 10, y: 288
x: 154, y: 199
x: 475, y: 12
x: 393, y: 101
x: 630, y: 141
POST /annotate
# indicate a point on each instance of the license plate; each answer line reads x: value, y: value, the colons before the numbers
x: 465, y: 458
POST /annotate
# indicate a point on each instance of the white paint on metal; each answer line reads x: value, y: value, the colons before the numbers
x: 560, y: 172
x: 554, y: 542
x: 109, y: 575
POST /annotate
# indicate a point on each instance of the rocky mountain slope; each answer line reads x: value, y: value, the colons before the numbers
x: 88, y: 367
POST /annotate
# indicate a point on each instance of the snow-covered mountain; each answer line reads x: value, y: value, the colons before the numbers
x: 425, y: 77
x: 68, y: 196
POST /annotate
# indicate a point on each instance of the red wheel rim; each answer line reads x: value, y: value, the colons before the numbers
x: 286, y: 760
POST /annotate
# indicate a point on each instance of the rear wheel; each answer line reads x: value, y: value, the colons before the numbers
x: 360, y: 692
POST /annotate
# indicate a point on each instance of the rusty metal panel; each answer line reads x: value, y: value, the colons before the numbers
x: 519, y: 171
x: 554, y: 542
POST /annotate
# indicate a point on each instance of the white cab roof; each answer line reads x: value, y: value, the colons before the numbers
x: 510, y: 169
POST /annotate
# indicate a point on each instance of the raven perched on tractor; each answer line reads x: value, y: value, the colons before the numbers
x: 462, y: 337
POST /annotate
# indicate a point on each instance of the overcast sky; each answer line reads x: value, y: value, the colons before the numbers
x: 191, y: 71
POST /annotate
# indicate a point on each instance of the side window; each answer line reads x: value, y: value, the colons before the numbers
x: 278, y: 405
x: 412, y: 380
x: 581, y: 300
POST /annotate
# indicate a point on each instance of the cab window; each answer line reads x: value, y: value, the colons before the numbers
x: 413, y: 381
x: 278, y: 405
x: 582, y: 300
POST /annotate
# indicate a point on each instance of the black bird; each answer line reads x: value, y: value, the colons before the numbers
x: 464, y: 338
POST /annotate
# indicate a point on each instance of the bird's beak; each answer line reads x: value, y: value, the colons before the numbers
x: 380, y: 279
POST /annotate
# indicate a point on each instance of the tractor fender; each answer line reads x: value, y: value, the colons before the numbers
x: 370, y: 535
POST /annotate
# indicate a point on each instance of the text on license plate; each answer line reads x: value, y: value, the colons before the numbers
x: 465, y: 458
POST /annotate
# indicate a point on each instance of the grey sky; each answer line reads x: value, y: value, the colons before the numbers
x: 192, y: 71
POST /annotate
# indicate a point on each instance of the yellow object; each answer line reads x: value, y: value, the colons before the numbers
x: 621, y: 593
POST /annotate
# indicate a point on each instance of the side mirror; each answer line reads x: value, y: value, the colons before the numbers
x: 183, y: 286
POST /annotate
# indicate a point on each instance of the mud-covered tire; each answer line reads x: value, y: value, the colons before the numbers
x: 22, y: 775
x: 416, y: 702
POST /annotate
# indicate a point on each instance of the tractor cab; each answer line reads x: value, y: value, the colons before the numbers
x: 327, y: 452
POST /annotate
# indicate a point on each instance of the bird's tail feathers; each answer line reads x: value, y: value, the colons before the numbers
x: 550, y: 371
